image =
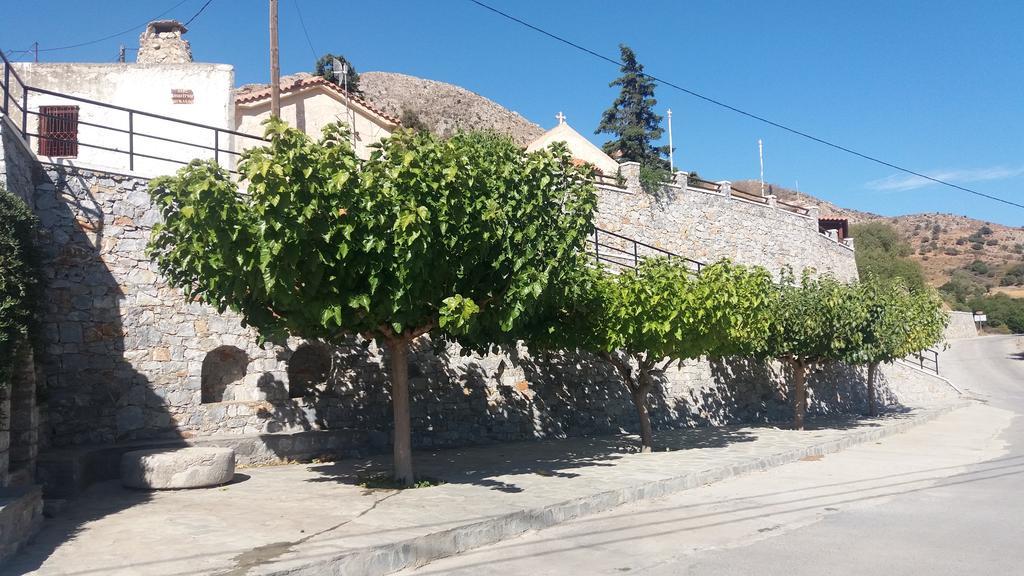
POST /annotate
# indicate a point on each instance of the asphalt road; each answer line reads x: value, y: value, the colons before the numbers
x: 944, y: 498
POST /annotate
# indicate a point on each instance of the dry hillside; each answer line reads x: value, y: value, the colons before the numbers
x: 444, y: 108
x: 942, y: 243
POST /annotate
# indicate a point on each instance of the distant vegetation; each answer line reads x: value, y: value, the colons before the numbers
x: 882, y: 253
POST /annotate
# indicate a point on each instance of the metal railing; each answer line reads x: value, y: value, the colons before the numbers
x: 617, y: 250
x: 116, y: 128
x: 927, y: 359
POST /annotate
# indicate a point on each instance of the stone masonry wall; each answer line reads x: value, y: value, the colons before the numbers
x: 961, y: 325
x: 707, y: 226
x: 126, y: 358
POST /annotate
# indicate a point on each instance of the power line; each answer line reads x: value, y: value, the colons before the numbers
x: 116, y: 34
x: 745, y: 113
x: 196, y: 15
x: 304, y: 31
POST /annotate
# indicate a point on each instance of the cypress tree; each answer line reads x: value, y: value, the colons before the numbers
x: 631, y: 118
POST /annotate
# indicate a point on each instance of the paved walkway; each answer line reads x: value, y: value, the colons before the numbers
x: 314, y: 519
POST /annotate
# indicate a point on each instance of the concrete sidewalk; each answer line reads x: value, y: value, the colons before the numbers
x: 314, y: 519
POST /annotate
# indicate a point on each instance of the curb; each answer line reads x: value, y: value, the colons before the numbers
x: 414, y: 552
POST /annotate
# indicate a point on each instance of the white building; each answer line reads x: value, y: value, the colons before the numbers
x: 580, y: 148
x: 178, y: 101
x: 309, y: 103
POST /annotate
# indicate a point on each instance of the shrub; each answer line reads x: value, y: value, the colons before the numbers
x: 977, y: 246
x: 18, y: 279
x: 992, y: 242
x: 985, y: 230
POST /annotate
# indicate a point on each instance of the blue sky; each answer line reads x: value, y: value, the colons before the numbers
x: 934, y: 85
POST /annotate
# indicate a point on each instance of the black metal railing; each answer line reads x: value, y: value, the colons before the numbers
x: 116, y: 129
x: 617, y: 250
x: 927, y: 359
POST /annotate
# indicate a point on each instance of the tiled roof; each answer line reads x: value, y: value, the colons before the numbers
x: 247, y: 95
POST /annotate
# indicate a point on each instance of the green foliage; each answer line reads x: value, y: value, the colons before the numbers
x: 325, y: 69
x: 984, y: 230
x: 455, y: 236
x: 1001, y: 310
x: 653, y: 178
x: 978, y: 267
x: 18, y: 277
x: 1014, y: 276
x: 426, y: 234
x: 961, y: 288
x: 895, y: 321
x: 814, y: 320
x: 882, y: 253
x: 631, y: 118
x: 410, y: 119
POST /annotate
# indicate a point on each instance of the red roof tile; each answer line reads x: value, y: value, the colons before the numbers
x: 300, y: 82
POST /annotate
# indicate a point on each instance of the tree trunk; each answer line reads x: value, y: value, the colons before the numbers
x: 646, y: 435
x: 799, y: 394
x: 398, y: 355
x: 872, y: 408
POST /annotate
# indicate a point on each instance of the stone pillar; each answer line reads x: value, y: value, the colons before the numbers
x: 725, y: 187
x: 773, y: 201
x: 631, y: 172
x: 813, y: 212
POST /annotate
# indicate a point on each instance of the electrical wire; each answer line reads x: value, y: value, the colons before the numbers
x: 745, y: 113
x: 304, y: 31
x: 116, y: 34
x: 196, y: 15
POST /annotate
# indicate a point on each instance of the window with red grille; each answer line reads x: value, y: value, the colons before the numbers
x: 58, y: 131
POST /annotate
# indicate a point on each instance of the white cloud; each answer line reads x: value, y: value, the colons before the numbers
x: 904, y: 182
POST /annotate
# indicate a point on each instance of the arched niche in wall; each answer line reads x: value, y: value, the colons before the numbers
x: 308, y: 370
x: 223, y: 368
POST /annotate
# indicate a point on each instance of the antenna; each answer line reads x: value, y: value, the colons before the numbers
x: 671, y: 150
x: 339, y: 67
x: 760, y: 154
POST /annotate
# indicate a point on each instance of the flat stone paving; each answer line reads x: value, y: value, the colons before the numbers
x: 314, y: 519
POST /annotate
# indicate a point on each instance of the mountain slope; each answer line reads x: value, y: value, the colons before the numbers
x: 444, y: 108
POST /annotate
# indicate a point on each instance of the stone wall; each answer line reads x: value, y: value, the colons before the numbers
x: 18, y: 167
x: 128, y: 358
x: 961, y: 325
x: 707, y: 226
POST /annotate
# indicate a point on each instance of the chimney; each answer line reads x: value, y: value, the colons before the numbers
x: 162, y: 43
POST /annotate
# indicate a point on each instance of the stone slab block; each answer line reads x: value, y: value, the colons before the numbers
x: 163, y: 469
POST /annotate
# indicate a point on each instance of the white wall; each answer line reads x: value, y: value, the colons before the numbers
x: 145, y: 87
x: 310, y: 110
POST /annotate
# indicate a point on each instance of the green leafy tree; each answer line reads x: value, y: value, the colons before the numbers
x: 631, y: 118
x: 18, y: 279
x: 895, y: 322
x: 426, y: 236
x: 814, y: 321
x: 325, y: 69
x: 641, y: 321
x: 883, y: 253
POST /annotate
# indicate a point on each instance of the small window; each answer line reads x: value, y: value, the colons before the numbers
x: 58, y: 131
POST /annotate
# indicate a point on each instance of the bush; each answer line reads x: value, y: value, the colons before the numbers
x: 992, y: 242
x: 952, y: 252
x: 985, y: 230
x: 977, y: 246
x: 18, y: 280
x: 653, y: 178
x: 978, y: 267
x: 961, y: 241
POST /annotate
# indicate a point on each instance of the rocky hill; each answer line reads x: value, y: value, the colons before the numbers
x: 443, y: 108
x: 942, y: 243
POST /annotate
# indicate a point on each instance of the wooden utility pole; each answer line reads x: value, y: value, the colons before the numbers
x: 275, y: 67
